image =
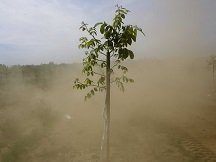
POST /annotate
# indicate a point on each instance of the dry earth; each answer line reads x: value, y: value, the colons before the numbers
x: 167, y: 115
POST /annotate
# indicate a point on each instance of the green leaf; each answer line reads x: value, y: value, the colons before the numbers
x: 86, y: 98
x: 89, y: 95
x: 107, y: 34
x: 131, y: 80
x: 123, y: 16
x: 115, y: 24
x: 102, y: 79
x: 129, y: 41
x: 102, y: 28
x: 131, y: 54
x: 92, y: 92
x: 125, y: 53
x: 133, y: 37
x: 140, y: 30
x: 124, y: 68
x: 99, y: 23
x: 110, y: 43
x: 120, y: 53
x: 135, y: 32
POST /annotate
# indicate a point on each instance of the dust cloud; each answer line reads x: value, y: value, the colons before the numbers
x: 168, y: 114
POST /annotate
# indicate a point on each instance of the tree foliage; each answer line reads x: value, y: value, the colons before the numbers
x: 103, y: 39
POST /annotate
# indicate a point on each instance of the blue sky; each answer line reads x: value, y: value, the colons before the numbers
x: 39, y: 31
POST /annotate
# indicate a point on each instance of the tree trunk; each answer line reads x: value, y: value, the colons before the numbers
x: 108, y: 107
x: 105, y: 146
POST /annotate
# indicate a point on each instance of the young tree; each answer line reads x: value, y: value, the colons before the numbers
x: 105, y: 53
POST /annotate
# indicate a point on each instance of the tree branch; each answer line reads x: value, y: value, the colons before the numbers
x: 98, y: 74
x: 115, y: 64
x: 94, y: 85
x: 100, y: 60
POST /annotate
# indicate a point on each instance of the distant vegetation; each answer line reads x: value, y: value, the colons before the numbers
x: 40, y: 76
x: 24, y: 123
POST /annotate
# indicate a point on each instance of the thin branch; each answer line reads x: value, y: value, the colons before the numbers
x: 99, y: 52
x: 94, y: 85
x: 103, y: 53
x: 91, y: 85
x: 115, y: 65
x: 100, y: 60
x: 98, y: 74
x: 112, y: 54
x: 98, y: 41
x: 78, y: 82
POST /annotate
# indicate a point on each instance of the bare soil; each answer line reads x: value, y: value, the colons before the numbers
x: 167, y: 115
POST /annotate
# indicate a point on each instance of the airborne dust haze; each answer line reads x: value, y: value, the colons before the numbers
x: 167, y: 114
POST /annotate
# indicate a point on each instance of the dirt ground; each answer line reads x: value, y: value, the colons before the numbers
x: 167, y: 115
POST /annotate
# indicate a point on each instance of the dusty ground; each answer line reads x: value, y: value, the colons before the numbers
x: 167, y: 115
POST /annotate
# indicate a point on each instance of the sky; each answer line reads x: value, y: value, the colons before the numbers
x: 42, y: 31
